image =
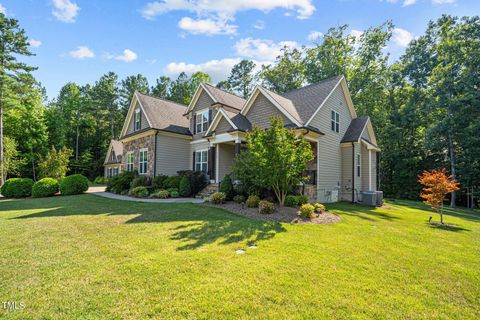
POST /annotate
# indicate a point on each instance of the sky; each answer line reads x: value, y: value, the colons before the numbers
x: 78, y: 40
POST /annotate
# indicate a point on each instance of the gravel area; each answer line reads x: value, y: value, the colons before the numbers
x: 281, y: 214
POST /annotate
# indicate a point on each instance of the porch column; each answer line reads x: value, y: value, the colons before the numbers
x: 369, y: 169
x: 238, y: 147
x: 211, y: 162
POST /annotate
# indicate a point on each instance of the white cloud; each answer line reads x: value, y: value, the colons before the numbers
x: 82, y: 52
x: 405, y: 2
x: 65, y: 10
x: 259, y: 25
x: 261, y: 49
x: 3, y: 9
x: 207, y: 26
x: 356, y: 33
x: 443, y: 1
x: 34, y: 43
x: 401, y: 37
x: 127, y: 56
x: 314, y: 35
x: 222, y: 8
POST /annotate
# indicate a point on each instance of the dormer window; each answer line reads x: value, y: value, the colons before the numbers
x: 113, y: 155
x: 137, y: 120
x: 201, y: 121
x: 335, y: 121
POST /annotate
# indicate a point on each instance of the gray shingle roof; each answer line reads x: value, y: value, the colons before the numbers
x: 165, y: 115
x: 240, y: 121
x: 286, y: 103
x: 307, y: 99
x: 355, y: 129
x: 225, y: 97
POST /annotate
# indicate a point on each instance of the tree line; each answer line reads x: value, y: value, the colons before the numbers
x: 424, y: 105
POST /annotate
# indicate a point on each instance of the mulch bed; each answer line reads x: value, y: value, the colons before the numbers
x: 281, y: 214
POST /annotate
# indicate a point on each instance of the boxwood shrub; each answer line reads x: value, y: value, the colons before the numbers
x: 17, y: 188
x: 172, y: 182
x: 291, y: 201
x: 139, y: 192
x: 45, y: 187
x: 74, y: 184
x: 121, y: 182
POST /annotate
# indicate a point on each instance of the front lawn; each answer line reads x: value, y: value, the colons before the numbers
x: 87, y: 257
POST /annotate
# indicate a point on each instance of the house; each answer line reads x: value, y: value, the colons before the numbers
x: 113, y: 159
x: 163, y: 137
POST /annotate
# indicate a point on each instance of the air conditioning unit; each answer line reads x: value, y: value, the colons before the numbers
x: 369, y: 198
x: 379, y: 198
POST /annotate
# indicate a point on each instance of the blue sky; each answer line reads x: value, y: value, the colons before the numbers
x: 76, y: 40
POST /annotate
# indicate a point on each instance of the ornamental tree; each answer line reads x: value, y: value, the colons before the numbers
x: 437, y: 186
x: 275, y: 158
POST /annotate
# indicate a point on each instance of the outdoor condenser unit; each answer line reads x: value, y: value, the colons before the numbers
x: 369, y: 198
x: 379, y: 198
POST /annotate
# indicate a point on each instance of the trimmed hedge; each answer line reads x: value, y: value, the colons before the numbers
x: 17, y: 188
x: 172, y: 182
x: 226, y: 186
x: 307, y: 210
x: 121, y: 182
x: 74, y: 184
x: 291, y: 201
x: 185, y: 190
x: 46, y: 187
x: 139, y: 192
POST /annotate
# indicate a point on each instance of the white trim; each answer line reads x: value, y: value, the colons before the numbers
x: 196, y: 96
x: 217, y: 153
x: 198, y: 141
x: 369, y: 169
x: 346, y: 93
x: 263, y: 91
x: 335, y: 122
x: 368, y: 144
x: 140, y: 162
x: 216, y: 121
x: 130, y: 114
x: 201, y: 112
x: 133, y: 160
x: 195, y: 159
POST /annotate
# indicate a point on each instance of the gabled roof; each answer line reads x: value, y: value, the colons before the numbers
x: 225, y: 97
x: 117, y: 147
x: 308, y: 99
x: 285, y: 103
x: 235, y: 119
x: 218, y: 96
x: 355, y: 129
x: 161, y: 114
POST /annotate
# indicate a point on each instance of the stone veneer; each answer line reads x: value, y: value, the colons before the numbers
x: 135, y: 146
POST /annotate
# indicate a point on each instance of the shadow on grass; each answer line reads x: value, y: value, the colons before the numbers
x: 361, y: 211
x: 200, y: 224
x: 447, y: 227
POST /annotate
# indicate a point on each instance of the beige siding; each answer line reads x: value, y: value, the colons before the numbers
x: 365, y: 170
x: 366, y: 135
x: 223, y: 126
x: 226, y: 155
x: 204, y: 102
x: 374, y: 170
x: 261, y: 110
x: 346, y: 183
x: 173, y: 155
x: 143, y: 121
x: 329, y: 152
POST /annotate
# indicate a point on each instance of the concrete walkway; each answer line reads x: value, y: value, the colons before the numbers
x: 100, y: 191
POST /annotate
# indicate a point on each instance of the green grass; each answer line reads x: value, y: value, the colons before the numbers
x: 86, y: 257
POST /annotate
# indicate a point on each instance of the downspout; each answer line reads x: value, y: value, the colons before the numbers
x: 353, y: 172
x: 155, y: 155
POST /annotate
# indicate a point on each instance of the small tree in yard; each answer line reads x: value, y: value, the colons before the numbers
x: 437, y: 186
x: 275, y: 158
x: 55, y: 164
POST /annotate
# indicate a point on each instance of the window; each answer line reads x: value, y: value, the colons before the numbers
x: 143, y: 161
x: 115, y: 171
x: 335, y: 121
x: 109, y: 172
x: 358, y: 165
x: 201, y: 161
x: 130, y: 161
x: 113, y: 155
x: 137, y: 120
x: 201, y: 122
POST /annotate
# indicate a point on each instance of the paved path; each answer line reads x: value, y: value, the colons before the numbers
x: 100, y: 191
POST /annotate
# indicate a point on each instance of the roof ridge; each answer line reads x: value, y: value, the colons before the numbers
x: 312, y: 84
x: 233, y: 94
x: 162, y: 99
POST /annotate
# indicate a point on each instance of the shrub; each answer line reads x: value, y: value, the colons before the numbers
x: 74, y: 184
x: 161, y: 194
x: 266, y: 207
x: 307, y: 211
x: 291, y: 201
x: 172, y: 182
x: 226, y: 186
x: 319, y: 208
x: 239, y: 198
x: 158, y: 182
x: 252, y: 201
x: 121, y: 183
x: 218, y: 198
x: 174, y: 194
x: 17, y: 188
x: 45, y: 187
x: 184, y: 188
x: 174, y: 190
x: 302, y: 199
x: 140, y: 192
x: 99, y: 180
x: 198, y: 180
x: 141, y: 181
